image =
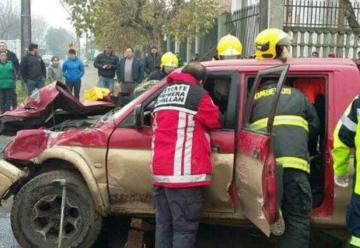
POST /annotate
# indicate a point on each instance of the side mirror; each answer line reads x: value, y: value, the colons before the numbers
x: 139, y: 117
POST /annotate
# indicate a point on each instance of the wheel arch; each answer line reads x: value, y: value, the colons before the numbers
x: 65, y: 158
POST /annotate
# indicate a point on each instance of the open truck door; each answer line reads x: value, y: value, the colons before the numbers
x: 255, y: 167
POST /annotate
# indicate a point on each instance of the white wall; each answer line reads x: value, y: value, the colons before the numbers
x: 236, y: 4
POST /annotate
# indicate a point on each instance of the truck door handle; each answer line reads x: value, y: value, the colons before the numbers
x: 215, y: 148
x: 256, y: 153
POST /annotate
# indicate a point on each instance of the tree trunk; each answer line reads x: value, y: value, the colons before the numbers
x: 341, y: 26
x: 351, y: 17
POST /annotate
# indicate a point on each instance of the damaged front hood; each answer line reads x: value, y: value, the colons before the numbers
x: 29, y: 144
x: 47, y: 107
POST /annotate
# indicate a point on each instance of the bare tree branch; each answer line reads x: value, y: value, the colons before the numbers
x: 351, y: 17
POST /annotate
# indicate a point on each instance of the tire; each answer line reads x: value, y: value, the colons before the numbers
x: 35, y: 215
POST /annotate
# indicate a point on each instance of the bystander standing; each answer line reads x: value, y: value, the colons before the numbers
x: 11, y: 56
x: 33, y: 70
x: 315, y: 54
x: 73, y: 70
x: 54, y: 70
x: 331, y: 54
x: 152, y: 61
x: 357, y: 61
x: 130, y: 72
x: 106, y: 63
x: 7, y: 82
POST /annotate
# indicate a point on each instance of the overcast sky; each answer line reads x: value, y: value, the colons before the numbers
x: 52, y: 12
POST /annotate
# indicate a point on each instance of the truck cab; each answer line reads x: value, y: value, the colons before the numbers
x: 110, y: 161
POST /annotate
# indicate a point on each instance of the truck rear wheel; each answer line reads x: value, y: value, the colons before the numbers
x: 35, y: 215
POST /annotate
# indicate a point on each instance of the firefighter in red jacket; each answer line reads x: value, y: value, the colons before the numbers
x: 183, y: 115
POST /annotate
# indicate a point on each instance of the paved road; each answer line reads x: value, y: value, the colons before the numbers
x: 7, y: 239
x: 90, y: 79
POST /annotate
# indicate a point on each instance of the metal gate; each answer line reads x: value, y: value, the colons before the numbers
x: 244, y: 24
x: 320, y: 26
x: 314, y: 26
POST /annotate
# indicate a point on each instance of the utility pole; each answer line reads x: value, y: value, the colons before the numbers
x: 25, y: 25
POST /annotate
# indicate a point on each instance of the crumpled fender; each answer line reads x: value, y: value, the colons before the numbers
x: 28, y: 144
x: 99, y: 195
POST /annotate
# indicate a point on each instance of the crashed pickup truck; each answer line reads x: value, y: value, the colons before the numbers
x: 106, y: 166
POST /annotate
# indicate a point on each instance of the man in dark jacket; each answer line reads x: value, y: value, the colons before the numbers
x: 169, y: 62
x: 106, y: 63
x: 295, y: 121
x: 152, y: 61
x: 13, y: 58
x: 130, y: 72
x: 33, y: 70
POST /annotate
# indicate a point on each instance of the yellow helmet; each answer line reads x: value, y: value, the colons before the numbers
x: 267, y: 41
x: 229, y: 45
x: 169, y: 59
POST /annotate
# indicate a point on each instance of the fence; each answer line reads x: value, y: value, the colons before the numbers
x: 244, y: 23
x: 320, y: 26
x: 314, y: 25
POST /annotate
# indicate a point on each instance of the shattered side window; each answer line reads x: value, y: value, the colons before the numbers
x: 129, y: 121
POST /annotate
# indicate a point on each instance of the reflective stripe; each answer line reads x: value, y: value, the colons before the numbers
x: 188, y: 145
x: 340, y: 154
x: 291, y: 120
x: 349, y: 124
x: 357, y: 169
x: 355, y: 241
x: 182, y: 179
x: 294, y: 163
x: 179, y: 143
x: 176, y: 109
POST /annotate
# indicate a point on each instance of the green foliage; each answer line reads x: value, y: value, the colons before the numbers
x: 83, y: 14
x: 193, y: 17
x: 20, y: 91
x: 57, y: 40
x: 142, y: 22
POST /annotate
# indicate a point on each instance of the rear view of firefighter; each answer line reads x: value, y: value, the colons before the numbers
x: 181, y: 155
x: 229, y: 47
x: 346, y: 137
x: 295, y: 120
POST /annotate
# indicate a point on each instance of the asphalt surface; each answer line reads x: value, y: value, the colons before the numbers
x: 209, y: 236
x: 7, y: 239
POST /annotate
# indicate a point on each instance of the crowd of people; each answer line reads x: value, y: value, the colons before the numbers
x: 129, y: 70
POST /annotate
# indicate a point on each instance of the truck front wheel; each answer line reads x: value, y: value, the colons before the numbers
x: 35, y: 215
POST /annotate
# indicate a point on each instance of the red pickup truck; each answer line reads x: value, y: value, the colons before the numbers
x: 107, y: 166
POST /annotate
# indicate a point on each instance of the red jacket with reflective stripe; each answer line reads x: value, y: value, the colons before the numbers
x: 182, y: 117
